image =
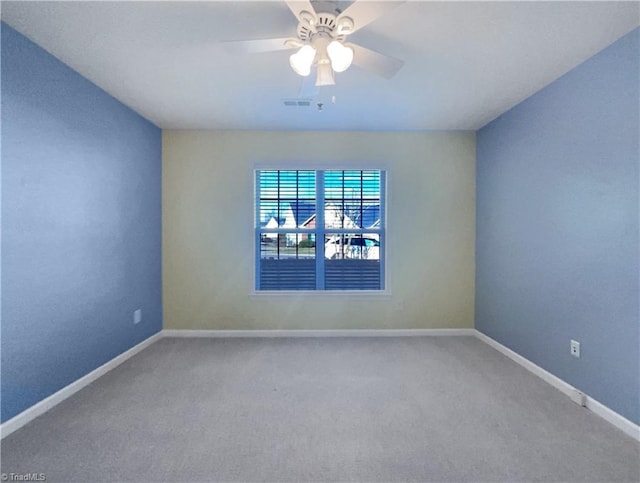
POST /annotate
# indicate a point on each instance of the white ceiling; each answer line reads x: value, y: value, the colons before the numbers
x: 465, y: 62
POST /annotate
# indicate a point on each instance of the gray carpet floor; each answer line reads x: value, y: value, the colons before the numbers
x: 321, y: 409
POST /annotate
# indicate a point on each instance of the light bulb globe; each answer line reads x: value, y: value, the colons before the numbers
x: 340, y: 55
x: 302, y: 60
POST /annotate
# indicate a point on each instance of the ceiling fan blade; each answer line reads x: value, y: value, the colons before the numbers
x: 308, y: 88
x: 299, y: 6
x: 376, y: 62
x: 364, y: 12
x: 262, y: 45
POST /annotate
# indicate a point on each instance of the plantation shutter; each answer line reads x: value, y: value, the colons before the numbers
x: 352, y: 200
x: 286, y: 201
x: 352, y: 275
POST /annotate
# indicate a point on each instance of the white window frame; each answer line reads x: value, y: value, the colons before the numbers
x: 384, y: 293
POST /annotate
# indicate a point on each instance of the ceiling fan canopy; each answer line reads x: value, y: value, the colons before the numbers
x: 320, y: 41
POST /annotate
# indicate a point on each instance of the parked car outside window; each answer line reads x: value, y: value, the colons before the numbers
x: 352, y: 247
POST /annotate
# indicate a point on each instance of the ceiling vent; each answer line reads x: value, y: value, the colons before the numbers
x: 296, y: 102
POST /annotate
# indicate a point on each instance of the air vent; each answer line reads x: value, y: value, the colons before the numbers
x: 296, y: 102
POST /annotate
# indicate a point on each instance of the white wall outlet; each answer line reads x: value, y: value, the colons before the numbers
x: 575, y: 348
x: 137, y: 316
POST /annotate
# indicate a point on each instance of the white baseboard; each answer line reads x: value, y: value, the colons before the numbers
x: 49, y: 402
x: 15, y: 423
x: 319, y: 333
x: 609, y: 415
x: 56, y: 398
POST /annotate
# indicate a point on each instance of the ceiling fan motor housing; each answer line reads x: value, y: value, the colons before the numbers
x: 325, y: 24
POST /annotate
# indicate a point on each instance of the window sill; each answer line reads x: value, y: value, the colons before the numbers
x: 352, y: 294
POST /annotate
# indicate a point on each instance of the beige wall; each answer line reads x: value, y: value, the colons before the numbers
x: 208, y: 229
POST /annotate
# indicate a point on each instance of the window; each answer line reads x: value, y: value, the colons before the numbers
x: 319, y: 230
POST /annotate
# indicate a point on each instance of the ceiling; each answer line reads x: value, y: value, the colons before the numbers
x: 465, y: 62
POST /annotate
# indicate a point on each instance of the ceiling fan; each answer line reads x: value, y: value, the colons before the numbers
x: 321, y: 40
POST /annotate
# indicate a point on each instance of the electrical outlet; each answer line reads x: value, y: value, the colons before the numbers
x: 575, y: 348
x: 137, y: 316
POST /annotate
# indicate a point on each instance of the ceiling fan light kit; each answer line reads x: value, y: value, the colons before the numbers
x: 329, y: 55
x: 323, y: 47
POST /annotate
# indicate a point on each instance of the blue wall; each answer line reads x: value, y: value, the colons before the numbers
x: 557, y: 227
x: 81, y: 225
